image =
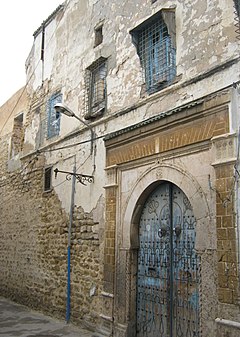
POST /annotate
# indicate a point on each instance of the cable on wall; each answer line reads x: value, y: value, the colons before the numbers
x: 33, y: 72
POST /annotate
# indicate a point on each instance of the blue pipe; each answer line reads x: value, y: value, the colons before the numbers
x: 68, y: 304
x: 68, y: 307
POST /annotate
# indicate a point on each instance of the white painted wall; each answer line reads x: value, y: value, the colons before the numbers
x: 206, y: 38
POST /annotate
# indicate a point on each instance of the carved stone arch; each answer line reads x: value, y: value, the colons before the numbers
x: 188, y: 184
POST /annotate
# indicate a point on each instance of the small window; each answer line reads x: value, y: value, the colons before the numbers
x: 17, y: 135
x: 95, y: 83
x: 53, y: 118
x: 155, y: 40
x: 98, y: 36
x: 47, y: 179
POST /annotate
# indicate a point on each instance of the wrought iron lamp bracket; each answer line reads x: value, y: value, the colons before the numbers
x: 81, y: 178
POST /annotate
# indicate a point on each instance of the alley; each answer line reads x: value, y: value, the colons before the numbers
x: 18, y: 321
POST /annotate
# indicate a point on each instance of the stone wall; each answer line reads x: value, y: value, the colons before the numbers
x: 167, y: 136
x: 33, y: 246
x: 226, y: 234
x: 86, y: 268
x: 109, y: 247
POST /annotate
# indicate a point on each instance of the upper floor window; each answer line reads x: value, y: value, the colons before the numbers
x: 47, y: 179
x: 237, y: 6
x: 98, y: 35
x: 95, y: 83
x: 53, y: 118
x: 155, y: 40
x: 17, y: 135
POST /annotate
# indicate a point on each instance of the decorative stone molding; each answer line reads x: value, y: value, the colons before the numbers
x: 111, y: 176
x: 190, y: 187
x: 224, y: 149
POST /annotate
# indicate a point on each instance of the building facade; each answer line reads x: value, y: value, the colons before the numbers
x: 120, y: 206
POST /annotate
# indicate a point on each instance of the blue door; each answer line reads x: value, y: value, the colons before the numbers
x: 168, y: 266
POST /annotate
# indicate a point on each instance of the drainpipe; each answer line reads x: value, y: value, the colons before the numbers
x: 68, y: 305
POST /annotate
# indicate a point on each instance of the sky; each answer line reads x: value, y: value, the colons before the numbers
x: 19, y: 19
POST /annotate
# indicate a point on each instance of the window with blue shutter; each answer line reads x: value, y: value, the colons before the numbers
x: 155, y: 42
x: 53, y: 118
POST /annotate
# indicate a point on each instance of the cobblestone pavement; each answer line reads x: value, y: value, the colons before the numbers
x: 18, y: 321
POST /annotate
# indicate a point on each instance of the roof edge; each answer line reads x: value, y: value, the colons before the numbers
x: 48, y: 20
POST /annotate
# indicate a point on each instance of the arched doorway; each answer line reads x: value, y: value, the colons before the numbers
x: 168, y: 274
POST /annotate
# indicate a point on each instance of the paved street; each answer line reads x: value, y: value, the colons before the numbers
x: 18, y: 321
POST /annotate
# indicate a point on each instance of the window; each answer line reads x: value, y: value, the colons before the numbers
x: 17, y: 135
x: 237, y: 6
x: 98, y: 36
x: 95, y: 83
x: 155, y: 42
x: 53, y: 118
x: 47, y: 179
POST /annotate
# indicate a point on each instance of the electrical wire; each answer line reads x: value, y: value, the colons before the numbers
x: 65, y: 180
x: 28, y: 81
x: 25, y: 185
x: 71, y: 145
x: 18, y: 174
x: 14, y: 107
x: 99, y: 137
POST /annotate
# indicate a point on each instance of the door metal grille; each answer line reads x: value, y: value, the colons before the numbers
x: 168, y: 267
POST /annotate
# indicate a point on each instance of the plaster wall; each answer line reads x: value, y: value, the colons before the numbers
x: 206, y: 38
x: 207, y: 61
x: 86, y: 163
x: 34, y: 240
x: 49, y: 52
x: 36, y: 63
x: 69, y: 50
x: 204, y: 171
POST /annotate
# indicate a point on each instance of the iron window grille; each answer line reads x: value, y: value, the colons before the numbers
x: 95, y: 87
x: 53, y: 118
x: 155, y: 42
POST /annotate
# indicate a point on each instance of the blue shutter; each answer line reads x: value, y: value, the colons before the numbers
x: 157, y: 55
